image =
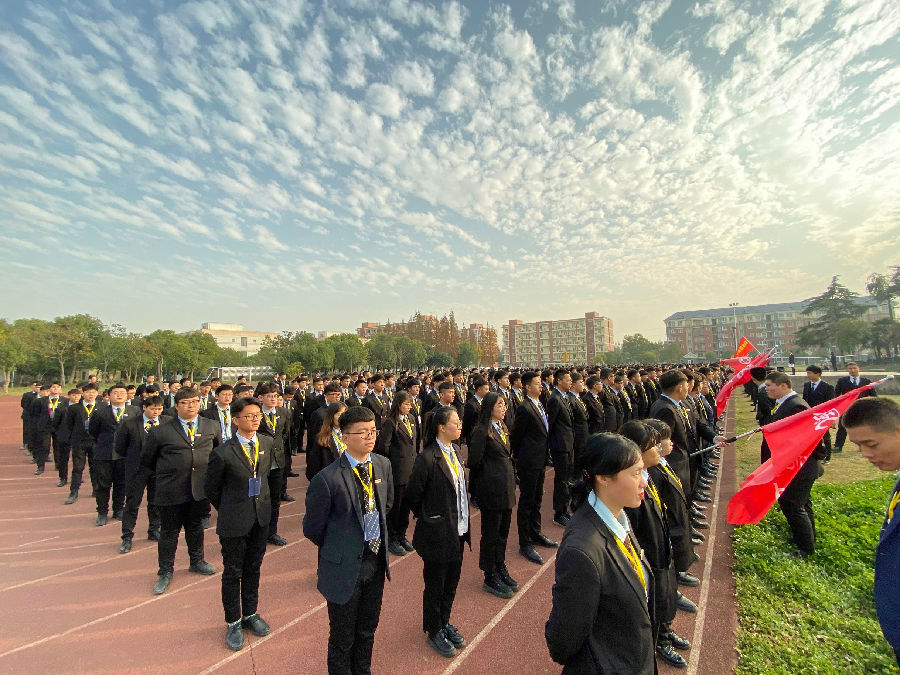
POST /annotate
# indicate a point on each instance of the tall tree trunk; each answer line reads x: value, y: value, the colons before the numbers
x: 6, y: 376
x: 62, y: 370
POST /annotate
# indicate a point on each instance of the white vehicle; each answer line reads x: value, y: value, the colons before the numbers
x: 232, y: 373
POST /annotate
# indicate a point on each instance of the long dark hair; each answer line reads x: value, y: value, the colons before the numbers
x: 439, y: 417
x: 324, y: 435
x: 604, y: 455
x: 485, y: 417
x: 641, y: 433
x: 394, y: 412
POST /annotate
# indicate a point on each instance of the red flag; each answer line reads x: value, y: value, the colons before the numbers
x: 791, y: 442
x: 737, y: 363
x: 737, y: 380
x: 744, y: 347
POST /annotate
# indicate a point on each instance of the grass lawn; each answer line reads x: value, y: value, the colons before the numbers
x: 817, y: 615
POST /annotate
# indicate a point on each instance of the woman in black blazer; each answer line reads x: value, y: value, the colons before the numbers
x: 601, y: 616
x: 651, y: 527
x: 493, y: 484
x: 436, y: 493
x: 328, y: 446
x: 397, y: 441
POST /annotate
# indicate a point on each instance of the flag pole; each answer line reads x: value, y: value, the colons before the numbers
x: 758, y: 429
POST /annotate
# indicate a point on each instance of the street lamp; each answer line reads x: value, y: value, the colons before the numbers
x: 733, y: 306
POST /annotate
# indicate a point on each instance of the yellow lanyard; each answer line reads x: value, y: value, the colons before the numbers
x: 672, y: 475
x: 684, y: 412
x: 342, y: 447
x: 451, y: 460
x: 499, y: 429
x: 203, y: 403
x: 253, y: 459
x: 190, y: 431
x: 368, y: 489
x: 654, y: 493
x: 150, y: 423
x: 89, y: 409
x: 226, y: 416
x: 895, y: 498
x: 119, y: 414
x: 380, y: 402
x: 632, y: 556
x: 408, y: 427
x: 53, y: 404
x: 273, y: 420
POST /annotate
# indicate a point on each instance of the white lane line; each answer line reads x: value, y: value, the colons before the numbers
x: 37, y: 542
x: 498, y: 617
x: 49, y: 550
x: 74, y: 569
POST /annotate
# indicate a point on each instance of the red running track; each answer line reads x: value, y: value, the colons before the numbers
x: 70, y: 603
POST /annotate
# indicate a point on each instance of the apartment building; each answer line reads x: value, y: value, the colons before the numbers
x: 554, y: 342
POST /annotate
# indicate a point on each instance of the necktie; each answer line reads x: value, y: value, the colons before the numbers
x: 364, y: 473
x: 190, y: 431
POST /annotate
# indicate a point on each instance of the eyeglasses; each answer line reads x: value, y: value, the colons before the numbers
x: 371, y: 433
x: 251, y: 416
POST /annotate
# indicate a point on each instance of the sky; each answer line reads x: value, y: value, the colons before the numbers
x: 296, y: 165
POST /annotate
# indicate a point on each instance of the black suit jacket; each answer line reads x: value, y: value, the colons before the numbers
x: 823, y: 392
x: 529, y: 439
x: 469, y: 417
x: 579, y: 422
x: 45, y: 422
x: 560, y: 419
x: 354, y: 399
x: 666, y: 410
x: 612, y: 409
x: 228, y: 474
x: 180, y: 468
x: 213, y: 414
x: 129, y: 441
x: 596, y: 418
x: 334, y: 522
x: 601, y: 620
x: 399, y: 446
x: 102, y: 428
x: 625, y: 405
x: 791, y: 406
x: 679, y: 519
x: 319, y: 456
x: 844, y: 385
x: 280, y: 436
x: 73, y: 430
x: 378, y: 406
x: 491, y: 472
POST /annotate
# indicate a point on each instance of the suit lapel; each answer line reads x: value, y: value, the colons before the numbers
x: 621, y: 561
x: 350, y: 480
x: 442, y: 463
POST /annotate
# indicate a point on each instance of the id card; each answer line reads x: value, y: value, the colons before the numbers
x: 254, y: 485
x: 372, y: 526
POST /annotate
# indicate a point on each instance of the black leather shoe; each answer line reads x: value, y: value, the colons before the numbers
x: 203, y: 568
x: 126, y: 546
x: 685, y: 579
x: 38, y: 471
x: 695, y: 533
x: 101, y: 520
x: 837, y: 448
x: 396, y: 548
x: 453, y: 636
x: 205, y: 523
x: 541, y: 540
x: 73, y: 495
x: 676, y: 640
x: 699, y: 507
x: 670, y: 656
x: 407, y: 544
x: 696, y: 541
x: 685, y: 605
x: 256, y: 624
x: 234, y: 638
x: 702, y: 497
x: 277, y: 539
x: 439, y: 643
x: 503, y: 573
x: 532, y: 555
x: 117, y: 514
x: 162, y: 583
x: 494, y: 586
x: 696, y: 557
x: 287, y: 498
x: 699, y: 524
x: 562, y: 520
x: 153, y: 535
x: 703, y: 484
x: 62, y: 482
x: 293, y: 474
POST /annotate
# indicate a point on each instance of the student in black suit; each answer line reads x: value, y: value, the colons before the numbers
x: 275, y: 426
x: 516, y: 396
x: 398, y: 441
x: 579, y: 421
x: 530, y: 450
x: 816, y: 391
x: 80, y: 442
x: 329, y: 444
x: 795, y: 502
x: 27, y: 421
x: 360, y: 390
x: 128, y: 443
x: 220, y: 412
x: 601, y: 618
x: 48, y: 413
x: 852, y: 381
x: 612, y: 408
x: 346, y: 505
x: 109, y: 473
x: 472, y: 408
x: 375, y: 400
x: 316, y: 418
x: 236, y: 486
x: 561, y: 434
x: 177, y: 454
x: 493, y: 484
x: 436, y: 494
x: 594, y: 404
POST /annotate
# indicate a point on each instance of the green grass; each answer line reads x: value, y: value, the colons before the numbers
x: 817, y: 615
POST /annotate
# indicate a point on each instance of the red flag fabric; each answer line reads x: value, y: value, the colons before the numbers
x: 791, y: 442
x: 744, y: 347
x: 742, y: 376
x: 737, y: 363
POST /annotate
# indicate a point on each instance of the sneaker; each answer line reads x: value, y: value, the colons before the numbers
x: 439, y: 643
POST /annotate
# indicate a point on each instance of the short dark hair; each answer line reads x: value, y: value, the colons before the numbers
x: 90, y: 385
x: 446, y: 384
x: 238, y: 404
x: 591, y: 381
x: 777, y: 377
x: 529, y: 376
x: 354, y: 415
x: 479, y: 382
x: 758, y: 373
x: 882, y: 414
x: 812, y: 368
x: 264, y: 388
x: 151, y: 401
x: 376, y: 377
x: 239, y: 389
x: 331, y: 388
x: 154, y: 388
x: 671, y: 379
x: 663, y: 430
x: 223, y: 387
x: 118, y: 385
x: 183, y: 380
x: 186, y: 392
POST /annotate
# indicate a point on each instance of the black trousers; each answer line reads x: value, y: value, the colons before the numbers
x: 531, y: 494
x: 351, y: 626
x: 134, y: 495
x: 109, y: 474
x: 441, y: 580
x: 562, y: 474
x: 796, y: 506
x: 275, y: 484
x: 841, y: 437
x: 241, y: 559
x: 494, y: 534
x: 173, y: 517
x: 61, y: 459
x: 42, y: 443
x: 826, y: 442
x: 398, y: 516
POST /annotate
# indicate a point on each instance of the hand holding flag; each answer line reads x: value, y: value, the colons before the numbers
x: 740, y: 378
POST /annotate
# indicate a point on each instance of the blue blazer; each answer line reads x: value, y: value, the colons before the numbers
x: 887, y: 578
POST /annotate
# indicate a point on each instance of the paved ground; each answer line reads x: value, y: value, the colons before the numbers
x: 69, y: 603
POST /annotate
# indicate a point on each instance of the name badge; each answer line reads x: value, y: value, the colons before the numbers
x: 371, y: 526
x: 254, y: 484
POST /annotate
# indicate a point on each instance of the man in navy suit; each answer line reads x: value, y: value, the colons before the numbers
x: 874, y: 425
x: 852, y: 381
x: 816, y: 391
x: 346, y: 505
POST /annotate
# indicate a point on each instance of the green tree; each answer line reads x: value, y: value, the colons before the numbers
x: 410, y: 353
x: 137, y: 354
x: 672, y: 352
x: 439, y: 360
x: 202, y: 352
x: 638, y: 349
x: 173, y: 352
x: 381, y: 350
x: 836, y: 303
x: 349, y: 351
x: 885, y: 289
x: 884, y: 334
x: 849, y: 334
x: 468, y: 355
x: 107, y: 345
x: 13, y: 352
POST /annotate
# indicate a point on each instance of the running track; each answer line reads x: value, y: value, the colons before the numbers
x: 70, y: 603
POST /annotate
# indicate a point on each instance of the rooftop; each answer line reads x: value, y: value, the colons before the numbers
x: 756, y: 309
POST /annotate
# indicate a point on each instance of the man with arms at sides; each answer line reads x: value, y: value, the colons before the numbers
x: 593, y: 401
x: 530, y: 449
x: 274, y: 425
x: 851, y: 381
x: 360, y: 389
x: 220, y: 412
x: 108, y: 474
x: 446, y: 396
x: 298, y: 421
x: 612, y: 406
x: 315, y: 420
x: 376, y: 401
x: 237, y: 487
x: 561, y: 436
x: 27, y: 421
x: 128, y: 443
x: 816, y: 391
x: 472, y: 409
x: 874, y: 425
x: 81, y: 443
x: 48, y: 413
x: 346, y: 504
x: 178, y: 453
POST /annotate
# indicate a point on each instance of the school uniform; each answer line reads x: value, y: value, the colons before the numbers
x: 321, y: 456
x: 80, y: 443
x: 377, y: 405
x: 127, y: 444
x: 398, y: 442
x: 274, y: 424
x: 887, y: 573
x: 562, y: 440
x: 109, y: 472
x: 530, y: 449
x: 841, y: 387
x: 678, y: 515
x: 47, y: 413
x: 596, y: 415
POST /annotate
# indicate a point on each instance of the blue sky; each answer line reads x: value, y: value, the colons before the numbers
x: 308, y: 166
